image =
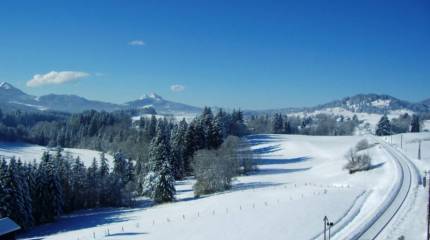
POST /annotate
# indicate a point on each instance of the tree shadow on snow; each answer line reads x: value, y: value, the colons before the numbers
x: 253, y: 185
x: 271, y: 171
x: 266, y: 161
x: 82, y: 220
x: 268, y: 149
x: 262, y: 138
x: 374, y: 166
x: 126, y: 234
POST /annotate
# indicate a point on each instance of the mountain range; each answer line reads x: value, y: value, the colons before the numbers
x: 13, y: 98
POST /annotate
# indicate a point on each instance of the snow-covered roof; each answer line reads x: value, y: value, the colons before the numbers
x: 7, y: 225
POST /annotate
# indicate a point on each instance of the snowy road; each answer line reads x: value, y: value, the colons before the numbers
x: 380, y: 220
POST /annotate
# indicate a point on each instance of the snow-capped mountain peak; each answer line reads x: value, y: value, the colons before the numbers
x: 5, y: 85
x: 152, y: 95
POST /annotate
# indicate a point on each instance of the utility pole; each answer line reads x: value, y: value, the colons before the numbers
x: 325, y: 226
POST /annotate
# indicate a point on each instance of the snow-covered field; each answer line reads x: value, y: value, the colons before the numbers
x: 300, y: 180
x: 30, y: 152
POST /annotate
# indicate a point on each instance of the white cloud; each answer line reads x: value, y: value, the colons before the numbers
x: 177, y: 88
x: 54, y: 77
x: 136, y: 43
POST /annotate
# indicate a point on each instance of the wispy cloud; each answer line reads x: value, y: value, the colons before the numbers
x: 136, y: 43
x: 54, y: 77
x: 177, y: 88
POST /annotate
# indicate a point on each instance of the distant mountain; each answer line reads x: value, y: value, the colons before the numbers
x: 163, y: 106
x: 426, y: 102
x: 374, y: 103
x: 362, y: 103
x: 12, y: 98
x: 73, y: 103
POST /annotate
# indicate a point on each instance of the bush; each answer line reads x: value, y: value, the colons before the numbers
x: 357, y: 162
x: 214, y: 170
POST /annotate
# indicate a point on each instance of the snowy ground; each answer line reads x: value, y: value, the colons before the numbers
x: 411, y: 221
x: 30, y: 152
x: 300, y: 180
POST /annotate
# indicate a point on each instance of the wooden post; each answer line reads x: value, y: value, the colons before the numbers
x: 325, y: 220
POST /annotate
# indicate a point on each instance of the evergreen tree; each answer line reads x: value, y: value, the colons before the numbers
x: 103, y: 179
x: 23, y: 173
x: 164, y: 184
x: 415, y: 124
x: 383, y: 127
x: 277, y: 124
x: 177, y: 142
x: 4, y: 192
x: 92, y: 194
x: 78, y: 184
x: 120, y: 167
x: 159, y: 181
x: 15, y: 196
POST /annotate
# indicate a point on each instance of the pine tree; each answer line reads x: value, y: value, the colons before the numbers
x: 277, y: 124
x: 16, y: 195
x: 177, y: 142
x: 214, y: 135
x: 78, y: 184
x: 49, y: 190
x: 24, y: 172
x: 4, y: 192
x: 92, y: 194
x: 164, y: 184
x: 415, y: 124
x: 159, y: 180
x: 103, y: 179
x: 383, y: 127
x: 120, y: 167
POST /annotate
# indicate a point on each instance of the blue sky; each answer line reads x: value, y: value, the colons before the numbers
x: 248, y: 54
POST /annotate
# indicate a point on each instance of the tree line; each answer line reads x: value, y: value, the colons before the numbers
x: 149, y: 155
x: 319, y: 124
x: 402, y: 124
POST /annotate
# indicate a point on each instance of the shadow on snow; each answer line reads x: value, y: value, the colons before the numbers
x: 267, y: 161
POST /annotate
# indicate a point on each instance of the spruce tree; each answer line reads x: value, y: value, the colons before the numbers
x: 383, y: 127
x: 164, y: 184
x: 415, y: 124
x: 159, y: 180
x: 277, y: 124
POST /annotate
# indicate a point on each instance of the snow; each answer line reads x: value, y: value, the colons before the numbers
x: 411, y: 222
x: 30, y: 152
x: 41, y: 108
x: 5, y: 85
x: 426, y: 125
x: 380, y: 103
x: 300, y: 180
x: 370, y: 120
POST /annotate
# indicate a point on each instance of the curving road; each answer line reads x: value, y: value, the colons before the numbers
x: 374, y: 227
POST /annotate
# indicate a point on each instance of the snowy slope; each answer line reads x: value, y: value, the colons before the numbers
x: 411, y: 221
x: 31, y: 152
x: 300, y: 180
